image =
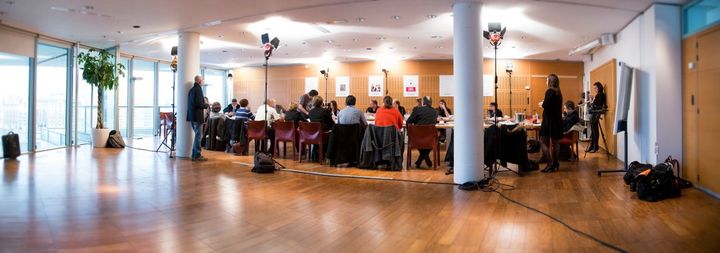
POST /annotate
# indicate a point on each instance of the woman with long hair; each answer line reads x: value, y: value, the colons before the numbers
x: 387, y: 115
x: 334, y: 108
x: 551, y: 129
x: 597, y: 108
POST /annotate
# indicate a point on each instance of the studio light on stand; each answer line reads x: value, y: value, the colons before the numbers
x: 385, y: 71
x: 269, y: 46
x: 326, y: 74
x: 494, y: 35
x: 173, y: 135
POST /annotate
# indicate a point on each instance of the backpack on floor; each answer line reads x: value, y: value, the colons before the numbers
x: 263, y: 163
x: 115, y: 140
x: 634, y: 169
x: 11, y: 145
x: 657, y: 183
x: 682, y: 183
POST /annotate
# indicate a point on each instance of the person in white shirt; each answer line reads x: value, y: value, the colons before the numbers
x: 272, y: 114
x: 271, y: 117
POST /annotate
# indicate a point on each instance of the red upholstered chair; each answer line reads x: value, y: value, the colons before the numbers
x: 572, y: 139
x: 256, y: 131
x: 166, y: 122
x: 312, y: 133
x: 423, y: 137
x: 285, y: 131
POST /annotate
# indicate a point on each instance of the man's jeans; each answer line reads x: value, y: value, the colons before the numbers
x: 197, y: 129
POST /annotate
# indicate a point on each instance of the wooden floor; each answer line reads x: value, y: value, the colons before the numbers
x: 106, y: 200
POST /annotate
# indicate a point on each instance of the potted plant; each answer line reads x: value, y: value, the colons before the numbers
x: 99, y: 71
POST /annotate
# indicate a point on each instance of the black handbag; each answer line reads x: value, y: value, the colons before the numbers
x: 11, y: 145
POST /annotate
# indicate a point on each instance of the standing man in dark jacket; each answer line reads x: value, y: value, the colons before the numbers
x: 423, y: 115
x: 195, y: 115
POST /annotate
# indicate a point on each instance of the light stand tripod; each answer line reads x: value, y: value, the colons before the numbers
x: 269, y: 46
x: 173, y: 119
x: 602, y: 134
x: 622, y: 124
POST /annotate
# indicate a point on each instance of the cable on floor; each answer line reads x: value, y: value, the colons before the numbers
x: 494, y: 185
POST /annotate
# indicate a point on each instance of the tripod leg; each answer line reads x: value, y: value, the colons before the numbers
x: 602, y: 133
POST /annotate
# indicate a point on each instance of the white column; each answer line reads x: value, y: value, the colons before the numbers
x: 188, y: 66
x: 467, y: 68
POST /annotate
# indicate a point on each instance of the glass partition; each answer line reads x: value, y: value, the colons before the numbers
x: 165, y: 87
x: 123, y: 98
x: 143, y: 76
x: 14, y: 100
x: 51, y: 97
x: 214, y: 85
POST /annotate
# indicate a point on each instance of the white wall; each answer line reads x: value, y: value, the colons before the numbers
x: 652, y: 45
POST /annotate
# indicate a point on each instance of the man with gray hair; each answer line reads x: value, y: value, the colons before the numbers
x: 196, y: 116
x: 423, y: 115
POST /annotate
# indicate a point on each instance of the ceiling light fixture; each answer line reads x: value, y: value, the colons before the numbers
x: 213, y: 23
x: 436, y: 37
x: 431, y: 16
x: 396, y: 17
x: 361, y: 20
x: 329, y: 41
x: 136, y: 26
x: 355, y: 39
x: 381, y: 38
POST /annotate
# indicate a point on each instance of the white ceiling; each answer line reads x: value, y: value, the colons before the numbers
x: 319, y: 31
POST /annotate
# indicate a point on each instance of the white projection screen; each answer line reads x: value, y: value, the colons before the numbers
x: 623, y: 99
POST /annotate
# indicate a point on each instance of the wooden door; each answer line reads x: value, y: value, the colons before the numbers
x: 606, y: 74
x: 708, y: 109
x: 690, y: 134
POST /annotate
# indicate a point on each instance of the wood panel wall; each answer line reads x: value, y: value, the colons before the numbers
x: 287, y: 83
x: 701, y: 108
x: 606, y: 74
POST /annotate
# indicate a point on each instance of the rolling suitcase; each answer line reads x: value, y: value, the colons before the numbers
x: 11, y: 145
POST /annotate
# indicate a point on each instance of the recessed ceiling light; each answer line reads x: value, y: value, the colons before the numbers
x: 337, y: 21
x: 368, y: 48
x: 136, y: 26
x: 224, y: 51
x: 355, y: 39
x: 396, y: 17
x: 409, y: 37
x: 220, y: 36
x: 329, y: 41
x: 431, y: 16
x: 347, y: 50
x: 361, y: 19
x: 304, y: 42
x: 119, y: 32
x: 436, y: 37
x: 441, y: 47
x: 391, y: 48
x: 381, y: 38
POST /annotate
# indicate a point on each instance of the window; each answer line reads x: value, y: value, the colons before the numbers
x: 144, y: 98
x: 86, y: 99
x: 165, y: 88
x: 214, y: 85
x: 699, y: 15
x: 14, y: 102
x: 123, y: 98
x: 229, y: 90
x: 51, y: 97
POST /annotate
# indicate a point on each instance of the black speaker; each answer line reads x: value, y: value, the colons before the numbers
x: 275, y: 42
x: 265, y: 38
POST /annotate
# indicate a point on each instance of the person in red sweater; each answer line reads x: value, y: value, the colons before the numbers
x: 387, y: 115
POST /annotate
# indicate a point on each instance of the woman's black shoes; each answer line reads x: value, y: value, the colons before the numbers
x: 550, y: 168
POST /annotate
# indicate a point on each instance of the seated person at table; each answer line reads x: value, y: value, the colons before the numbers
x: 400, y: 108
x: 443, y: 110
x: 295, y: 115
x: 570, y: 116
x: 424, y: 115
x: 373, y: 107
x: 494, y: 111
x: 351, y: 115
x: 231, y: 108
x: 320, y: 114
x: 388, y: 115
x: 243, y: 112
x: 418, y: 104
x: 270, y: 117
x: 334, y: 108
x: 215, y: 111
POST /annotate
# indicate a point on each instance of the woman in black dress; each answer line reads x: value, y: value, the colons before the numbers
x: 551, y: 129
x: 597, y: 108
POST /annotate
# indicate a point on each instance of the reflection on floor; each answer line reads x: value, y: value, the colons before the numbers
x: 129, y: 200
